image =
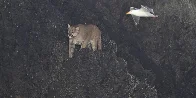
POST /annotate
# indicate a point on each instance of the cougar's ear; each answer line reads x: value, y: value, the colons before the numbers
x: 68, y: 25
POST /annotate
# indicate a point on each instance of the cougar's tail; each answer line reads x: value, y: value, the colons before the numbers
x: 99, y: 43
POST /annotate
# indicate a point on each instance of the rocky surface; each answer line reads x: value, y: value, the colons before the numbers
x: 154, y: 59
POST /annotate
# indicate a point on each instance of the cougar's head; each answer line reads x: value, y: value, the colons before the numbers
x: 72, y: 31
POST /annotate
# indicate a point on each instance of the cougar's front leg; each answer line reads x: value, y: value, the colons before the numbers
x: 84, y: 44
x: 71, y: 48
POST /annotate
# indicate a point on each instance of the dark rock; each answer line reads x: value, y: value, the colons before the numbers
x: 156, y: 58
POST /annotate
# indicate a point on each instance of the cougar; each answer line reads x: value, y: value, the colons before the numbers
x: 84, y: 35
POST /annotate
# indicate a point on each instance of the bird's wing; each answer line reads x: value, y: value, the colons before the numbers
x: 145, y: 8
x: 131, y: 8
x: 136, y: 19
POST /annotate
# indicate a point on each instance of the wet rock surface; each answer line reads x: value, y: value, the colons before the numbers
x: 154, y: 59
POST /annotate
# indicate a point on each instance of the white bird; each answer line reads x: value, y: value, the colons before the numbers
x: 144, y: 11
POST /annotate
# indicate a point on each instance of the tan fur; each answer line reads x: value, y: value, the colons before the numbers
x: 84, y: 35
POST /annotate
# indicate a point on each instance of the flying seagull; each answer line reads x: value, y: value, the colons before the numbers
x: 144, y: 11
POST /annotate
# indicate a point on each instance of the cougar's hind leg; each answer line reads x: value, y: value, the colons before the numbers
x: 94, y: 45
